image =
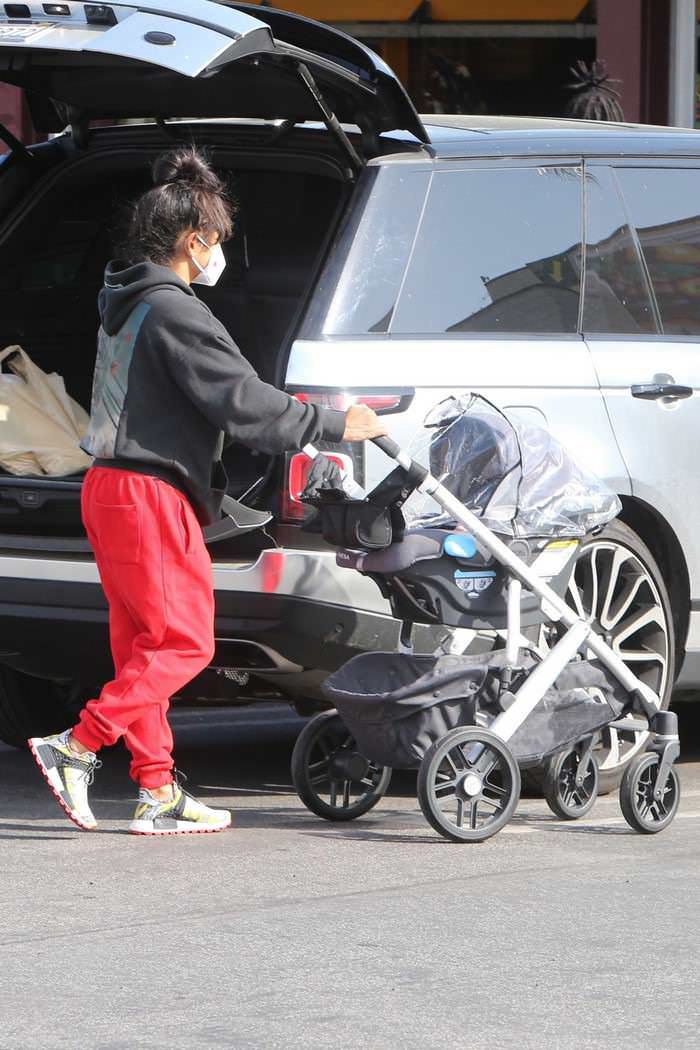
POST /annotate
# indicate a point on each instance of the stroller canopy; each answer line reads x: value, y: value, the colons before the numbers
x: 516, y: 476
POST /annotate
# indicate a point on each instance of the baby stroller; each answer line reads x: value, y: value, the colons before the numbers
x: 495, y: 555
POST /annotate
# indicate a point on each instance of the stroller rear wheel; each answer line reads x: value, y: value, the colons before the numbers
x: 644, y: 808
x: 571, y: 782
x: 331, y: 777
x: 468, y: 785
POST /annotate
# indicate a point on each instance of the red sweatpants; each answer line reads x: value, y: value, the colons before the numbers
x: 157, y: 576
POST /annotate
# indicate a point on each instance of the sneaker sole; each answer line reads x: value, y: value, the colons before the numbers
x: 152, y: 833
x: 70, y: 813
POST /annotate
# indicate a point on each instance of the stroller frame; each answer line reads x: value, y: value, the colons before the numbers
x: 578, y: 633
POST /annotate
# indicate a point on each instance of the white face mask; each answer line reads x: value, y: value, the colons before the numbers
x: 210, y: 273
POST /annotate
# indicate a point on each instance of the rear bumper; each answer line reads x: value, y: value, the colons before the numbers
x: 287, y: 611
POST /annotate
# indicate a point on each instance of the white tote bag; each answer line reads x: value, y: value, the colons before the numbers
x: 40, y: 425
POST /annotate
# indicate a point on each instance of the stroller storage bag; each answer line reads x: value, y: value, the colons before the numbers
x: 396, y: 705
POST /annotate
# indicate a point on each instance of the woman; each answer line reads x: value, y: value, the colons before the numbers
x: 169, y: 385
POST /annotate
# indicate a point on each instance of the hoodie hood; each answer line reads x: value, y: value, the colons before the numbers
x: 125, y: 285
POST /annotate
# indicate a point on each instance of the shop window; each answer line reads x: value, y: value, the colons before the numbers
x: 497, y: 251
x: 664, y: 206
x: 616, y: 294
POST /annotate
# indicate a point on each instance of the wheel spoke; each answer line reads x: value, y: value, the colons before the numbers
x: 346, y: 794
x: 577, y: 600
x: 495, y: 802
x: 612, y: 614
x: 460, y: 813
x: 334, y: 793
x: 646, y: 656
x: 592, y: 603
x: 644, y: 617
x: 451, y: 784
x: 619, y: 558
x: 456, y: 758
x: 472, y: 813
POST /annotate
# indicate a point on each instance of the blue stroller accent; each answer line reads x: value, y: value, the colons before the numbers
x: 490, y: 547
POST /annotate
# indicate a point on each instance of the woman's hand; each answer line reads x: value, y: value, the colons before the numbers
x: 362, y: 423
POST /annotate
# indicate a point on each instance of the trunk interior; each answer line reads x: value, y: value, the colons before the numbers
x: 52, y: 256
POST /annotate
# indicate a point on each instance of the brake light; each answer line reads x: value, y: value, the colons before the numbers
x: 350, y: 457
x: 343, y: 400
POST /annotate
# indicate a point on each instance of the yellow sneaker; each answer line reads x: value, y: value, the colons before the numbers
x: 68, y: 774
x: 181, y: 815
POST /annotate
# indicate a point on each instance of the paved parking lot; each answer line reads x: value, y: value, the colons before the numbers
x: 288, y: 932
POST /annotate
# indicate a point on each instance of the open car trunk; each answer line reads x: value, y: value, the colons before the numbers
x: 52, y: 258
x: 171, y: 59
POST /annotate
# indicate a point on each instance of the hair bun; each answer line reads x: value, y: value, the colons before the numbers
x: 186, y: 165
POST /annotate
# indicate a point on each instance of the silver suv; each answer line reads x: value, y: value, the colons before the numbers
x: 554, y: 266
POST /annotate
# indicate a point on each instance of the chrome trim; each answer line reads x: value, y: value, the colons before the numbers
x: 309, y: 575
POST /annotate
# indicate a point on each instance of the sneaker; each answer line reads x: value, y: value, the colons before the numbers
x: 68, y: 774
x: 181, y: 815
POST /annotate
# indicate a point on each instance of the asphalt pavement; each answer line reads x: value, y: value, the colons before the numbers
x: 287, y: 932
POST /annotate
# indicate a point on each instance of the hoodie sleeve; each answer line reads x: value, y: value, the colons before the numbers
x: 213, y: 373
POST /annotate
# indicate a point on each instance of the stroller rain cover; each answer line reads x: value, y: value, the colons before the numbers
x: 515, y: 476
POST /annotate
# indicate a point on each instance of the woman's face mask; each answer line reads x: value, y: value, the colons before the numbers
x: 210, y: 273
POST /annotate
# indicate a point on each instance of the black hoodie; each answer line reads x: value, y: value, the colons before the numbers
x: 170, y: 384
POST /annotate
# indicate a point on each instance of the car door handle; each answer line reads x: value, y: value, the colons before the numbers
x: 654, y: 391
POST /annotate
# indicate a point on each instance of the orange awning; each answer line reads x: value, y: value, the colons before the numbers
x: 351, y: 10
x: 506, y: 10
x: 441, y: 10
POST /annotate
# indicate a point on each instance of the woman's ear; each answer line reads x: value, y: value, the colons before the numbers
x: 191, y: 244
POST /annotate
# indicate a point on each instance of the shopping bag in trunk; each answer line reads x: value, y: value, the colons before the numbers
x: 40, y: 425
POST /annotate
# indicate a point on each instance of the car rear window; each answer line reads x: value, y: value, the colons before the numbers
x: 498, y: 250
x: 617, y: 296
x: 664, y: 207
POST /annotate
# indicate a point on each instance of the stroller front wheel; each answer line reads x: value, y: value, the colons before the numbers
x: 468, y: 785
x: 644, y: 807
x: 571, y: 782
x: 331, y: 777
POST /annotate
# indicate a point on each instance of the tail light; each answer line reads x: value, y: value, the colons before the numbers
x: 349, y: 456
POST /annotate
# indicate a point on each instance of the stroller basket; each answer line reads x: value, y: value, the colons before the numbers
x: 396, y: 705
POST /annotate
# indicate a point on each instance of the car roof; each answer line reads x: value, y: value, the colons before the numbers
x: 471, y: 136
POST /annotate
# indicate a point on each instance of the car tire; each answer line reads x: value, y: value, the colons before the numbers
x: 32, y: 706
x: 610, y: 565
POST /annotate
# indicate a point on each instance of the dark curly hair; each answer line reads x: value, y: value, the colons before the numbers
x: 187, y: 195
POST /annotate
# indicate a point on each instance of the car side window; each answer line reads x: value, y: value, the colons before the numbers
x: 617, y: 297
x: 359, y: 285
x: 664, y: 206
x: 498, y: 250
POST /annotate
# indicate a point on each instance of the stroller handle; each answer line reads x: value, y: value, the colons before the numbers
x: 388, y: 445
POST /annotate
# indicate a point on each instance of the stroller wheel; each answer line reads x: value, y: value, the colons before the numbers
x: 640, y: 808
x: 468, y: 785
x: 331, y: 777
x: 571, y: 791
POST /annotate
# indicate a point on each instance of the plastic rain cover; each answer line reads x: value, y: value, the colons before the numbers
x: 515, y: 476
